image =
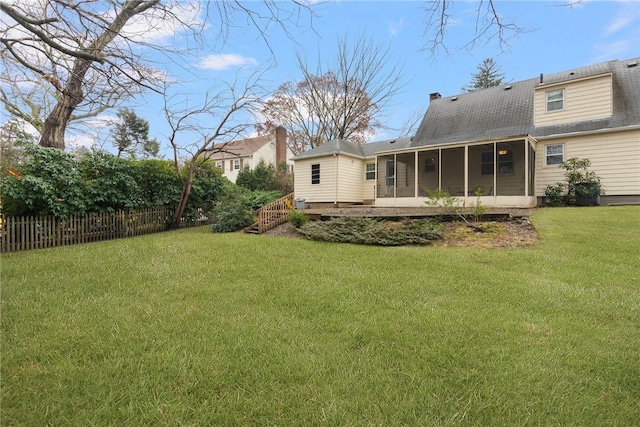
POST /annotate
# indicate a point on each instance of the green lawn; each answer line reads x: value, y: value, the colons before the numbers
x: 191, y: 328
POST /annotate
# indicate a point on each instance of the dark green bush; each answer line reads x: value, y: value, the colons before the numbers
x: 109, y: 181
x: 371, y: 231
x: 298, y: 218
x: 236, y: 208
x: 266, y: 178
x: 47, y: 182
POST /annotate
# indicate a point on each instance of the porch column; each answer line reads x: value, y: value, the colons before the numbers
x: 415, y: 173
x: 526, y: 167
x: 466, y: 171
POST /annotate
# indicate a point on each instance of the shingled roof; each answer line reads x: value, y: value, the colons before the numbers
x: 506, y: 111
x: 240, y: 148
x: 341, y: 146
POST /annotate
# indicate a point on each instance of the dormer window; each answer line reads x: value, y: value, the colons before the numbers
x: 555, y: 99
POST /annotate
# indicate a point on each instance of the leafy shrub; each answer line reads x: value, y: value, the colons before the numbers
x: 158, y: 182
x: 260, y: 198
x: 266, y: 178
x: 554, y: 195
x: 109, y: 182
x: 236, y: 208
x: 47, y: 182
x: 371, y: 231
x: 209, y: 186
x: 298, y: 218
x: 579, y: 183
x: 446, y: 204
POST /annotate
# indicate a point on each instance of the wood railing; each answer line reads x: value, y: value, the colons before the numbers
x: 272, y: 215
x: 34, y: 232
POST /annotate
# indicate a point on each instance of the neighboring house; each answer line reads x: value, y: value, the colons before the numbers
x: 508, y: 140
x: 232, y: 157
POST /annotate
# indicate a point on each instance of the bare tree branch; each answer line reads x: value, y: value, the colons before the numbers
x: 490, y: 26
x: 344, y: 101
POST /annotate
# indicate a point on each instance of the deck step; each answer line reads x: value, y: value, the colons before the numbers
x: 253, y: 229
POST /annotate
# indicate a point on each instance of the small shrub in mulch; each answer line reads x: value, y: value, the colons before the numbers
x: 370, y: 231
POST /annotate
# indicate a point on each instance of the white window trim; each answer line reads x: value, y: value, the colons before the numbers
x: 367, y: 171
x: 547, y: 102
x: 318, y: 174
x: 236, y: 164
x: 546, y: 155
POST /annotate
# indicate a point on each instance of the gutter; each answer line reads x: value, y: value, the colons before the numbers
x: 591, y: 132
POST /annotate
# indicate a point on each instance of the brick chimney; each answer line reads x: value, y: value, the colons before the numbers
x: 281, y: 145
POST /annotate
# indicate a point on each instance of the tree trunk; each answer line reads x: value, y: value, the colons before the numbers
x: 184, y: 198
x: 56, y: 123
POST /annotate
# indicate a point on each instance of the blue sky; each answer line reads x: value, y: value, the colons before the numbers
x: 558, y: 37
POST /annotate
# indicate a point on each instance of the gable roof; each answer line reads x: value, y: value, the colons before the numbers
x: 240, y: 148
x: 507, y: 110
x: 342, y: 146
x: 503, y: 112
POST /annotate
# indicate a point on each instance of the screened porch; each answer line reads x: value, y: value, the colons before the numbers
x: 500, y: 173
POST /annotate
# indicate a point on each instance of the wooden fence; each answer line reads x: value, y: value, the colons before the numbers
x: 34, y: 232
x: 274, y: 214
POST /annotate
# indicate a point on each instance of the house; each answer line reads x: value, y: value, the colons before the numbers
x: 506, y: 141
x: 247, y: 153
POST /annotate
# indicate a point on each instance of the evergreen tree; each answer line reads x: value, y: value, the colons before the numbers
x: 131, y: 135
x: 488, y: 75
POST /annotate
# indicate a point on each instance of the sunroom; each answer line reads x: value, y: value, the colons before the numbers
x: 497, y: 173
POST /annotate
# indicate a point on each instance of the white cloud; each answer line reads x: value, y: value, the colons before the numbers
x: 394, y: 27
x: 225, y: 61
x: 613, y: 50
x: 160, y: 23
x: 628, y: 14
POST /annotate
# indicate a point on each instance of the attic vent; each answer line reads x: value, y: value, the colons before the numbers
x: 632, y: 64
x: 508, y: 87
x: 455, y: 98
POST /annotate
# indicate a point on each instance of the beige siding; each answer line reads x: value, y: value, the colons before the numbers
x: 615, y: 157
x: 368, y: 187
x: 350, y: 179
x: 323, y: 192
x: 586, y: 99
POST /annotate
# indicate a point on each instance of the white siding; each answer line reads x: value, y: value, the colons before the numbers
x: 586, y: 99
x: 615, y: 157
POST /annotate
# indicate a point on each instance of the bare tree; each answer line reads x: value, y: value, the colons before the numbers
x: 344, y: 101
x: 490, y: 25
x: 80, y: 58
x: 198, y: 133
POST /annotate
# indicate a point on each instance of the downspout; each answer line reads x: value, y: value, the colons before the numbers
x: 335, y: 201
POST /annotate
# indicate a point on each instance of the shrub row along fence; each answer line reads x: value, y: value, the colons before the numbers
x: 34, y: 232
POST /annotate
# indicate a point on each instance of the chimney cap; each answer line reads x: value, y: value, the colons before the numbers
x: 434, y: 95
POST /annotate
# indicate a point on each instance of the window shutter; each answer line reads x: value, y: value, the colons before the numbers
x: 241, y: 162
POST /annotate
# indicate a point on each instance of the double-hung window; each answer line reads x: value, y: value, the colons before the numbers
x: 315, y: 174
x: 555, y: 99
x: 554, y: 154
x: 236, y: 164
x: 370, y: 171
